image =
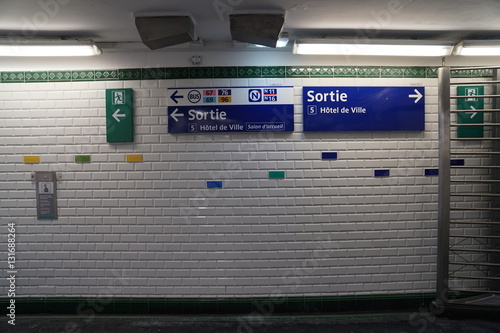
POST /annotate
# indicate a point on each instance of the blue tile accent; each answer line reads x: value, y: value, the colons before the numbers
x: 382, y: 173
x: 328, y: 156
x: 432, y: 172
x: 214, y: 184
x: 457, y: 162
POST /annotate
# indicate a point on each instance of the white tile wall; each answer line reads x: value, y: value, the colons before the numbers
x: 153, y: 229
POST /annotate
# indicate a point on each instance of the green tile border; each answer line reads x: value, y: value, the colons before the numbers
x: 392, y: 72
x: 319, y: 305
x: 174, y: 73
x: 370, y: 71
x: 60, y: 76
x: 130, y: 74
x: 232, y: 72
x: 106, y: 75
x: 274, y: 71
x: 250, y: 72
x: 297, y: 71
x: 225, y: 72
x: 13, y: 77
x: 201, y: 72
x: 36, y: 76
x: 345, y: 71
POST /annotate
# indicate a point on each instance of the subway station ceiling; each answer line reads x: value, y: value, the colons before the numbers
x: 113, y: 20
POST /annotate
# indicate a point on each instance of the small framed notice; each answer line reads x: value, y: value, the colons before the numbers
x: 46, y: 195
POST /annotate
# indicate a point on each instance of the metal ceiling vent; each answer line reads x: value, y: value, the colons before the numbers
x: 261, y: 28
x: 159, y: 30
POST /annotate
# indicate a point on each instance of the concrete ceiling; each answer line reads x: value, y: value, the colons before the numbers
x: 113, y: 21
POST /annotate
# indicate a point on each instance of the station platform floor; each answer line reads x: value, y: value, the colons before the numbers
x: 387, y: 323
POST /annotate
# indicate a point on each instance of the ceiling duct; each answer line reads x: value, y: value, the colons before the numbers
x: 158, y: 31
x: 257, y: 28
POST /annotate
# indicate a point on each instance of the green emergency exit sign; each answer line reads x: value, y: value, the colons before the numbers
x: 472, y: 116
x: 119, y: 115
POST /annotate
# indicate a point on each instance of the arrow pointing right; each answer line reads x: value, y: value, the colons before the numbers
x: 175, y: 115
x: 174, y: 96
x: 473, y: 114
x: 418, y: 95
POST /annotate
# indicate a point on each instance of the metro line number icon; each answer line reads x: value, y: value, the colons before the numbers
x: 255, y: 95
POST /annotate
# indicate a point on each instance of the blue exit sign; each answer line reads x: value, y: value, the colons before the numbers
x: 364, y: 108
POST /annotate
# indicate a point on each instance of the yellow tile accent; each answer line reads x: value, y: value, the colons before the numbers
x: 134, y: 158
x: 31, y: 159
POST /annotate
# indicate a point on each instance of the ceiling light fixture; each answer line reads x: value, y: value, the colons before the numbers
x: 478, y: 48
x: 349, y: 47
x: 47, y: 48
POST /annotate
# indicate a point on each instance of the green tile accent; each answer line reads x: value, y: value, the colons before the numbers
x: 415, y: 72
x: 153, y: 73
x: 369, y: 71
x: 276, y: 174
x: 460, y: 74
x: 60, y: 76
x: 273, y: 71
x: 36, y: 76
x: 201, y: 72
x: 481, y: 73
x: 321, y: 71
x: 344, y: 71
x: 432, y: 72
x: 106, y: 75
x: 12, y: 77
x: 130, y: 74
x: 176, y: 73
x: 82, y: 159
x: 293, y: 71
x: 249, y: 72
x: 392, y: 72
x: 225, y: 72
x: 82, y: 75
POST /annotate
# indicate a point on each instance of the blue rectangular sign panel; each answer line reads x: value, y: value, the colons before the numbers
x: 364, y: 108
x: 240, y: 109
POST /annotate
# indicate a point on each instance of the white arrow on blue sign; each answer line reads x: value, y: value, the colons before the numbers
x: 364, y: 108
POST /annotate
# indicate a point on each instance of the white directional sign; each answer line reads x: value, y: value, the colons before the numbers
x: 229, y: 109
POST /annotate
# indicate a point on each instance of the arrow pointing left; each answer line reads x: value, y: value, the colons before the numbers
x: 117, y: 115
x: 174, y: 96
x: 175, y: 116
x: 418, y: 95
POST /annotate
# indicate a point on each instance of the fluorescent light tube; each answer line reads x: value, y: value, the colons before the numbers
x: 374, y: 48
x: 479, y: 48
x: 49, y: 48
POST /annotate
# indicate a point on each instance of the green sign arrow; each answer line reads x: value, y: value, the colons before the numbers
x: 119, y: 115
x: 471, y: 117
